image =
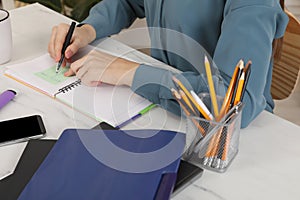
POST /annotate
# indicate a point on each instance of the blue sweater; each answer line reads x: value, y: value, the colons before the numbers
x: 182, y: 31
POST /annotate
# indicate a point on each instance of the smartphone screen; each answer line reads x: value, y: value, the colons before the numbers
x: 21, y: 129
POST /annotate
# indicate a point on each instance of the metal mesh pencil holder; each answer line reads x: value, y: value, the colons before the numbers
x: 215, y: 144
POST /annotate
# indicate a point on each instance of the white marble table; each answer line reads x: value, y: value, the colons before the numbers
x: 266, y: 167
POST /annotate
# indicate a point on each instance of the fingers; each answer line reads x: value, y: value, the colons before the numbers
x: 69, y: 73
x: 90, y: 83
x: 97, y: 67
x: 85, y: 71
x: 75, y: 66
x: 56, y: 40
x: 81, y: 37
x: 73, y: 47
x: 82, y: 74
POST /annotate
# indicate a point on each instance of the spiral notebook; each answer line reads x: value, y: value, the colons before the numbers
x: 113, y: 104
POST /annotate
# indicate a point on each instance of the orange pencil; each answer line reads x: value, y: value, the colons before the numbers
x: 239, y: 94
x: 247, y: 71
x: 227, y: 141
x: 236, y: 97
x: 226, y: 102
x: 213, y: 147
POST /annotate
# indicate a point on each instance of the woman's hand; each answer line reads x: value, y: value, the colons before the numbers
x: 81, y: 37
x: 97, y: 67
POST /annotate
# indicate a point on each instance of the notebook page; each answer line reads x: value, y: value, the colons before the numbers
x: 113, y: 104
x: 39, y: 74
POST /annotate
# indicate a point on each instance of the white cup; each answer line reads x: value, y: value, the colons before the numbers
x: 5, y: 37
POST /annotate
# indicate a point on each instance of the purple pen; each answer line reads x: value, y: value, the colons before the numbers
x: 6, y: 96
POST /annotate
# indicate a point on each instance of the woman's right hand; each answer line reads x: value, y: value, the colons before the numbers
x: 81, y: 37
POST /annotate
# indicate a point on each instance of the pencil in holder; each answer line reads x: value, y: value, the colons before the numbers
x: 214, y: 146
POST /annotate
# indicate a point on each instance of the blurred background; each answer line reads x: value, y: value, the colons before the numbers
x: 75, y: 9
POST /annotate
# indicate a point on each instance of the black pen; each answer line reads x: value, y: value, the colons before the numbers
x: 65, y: 45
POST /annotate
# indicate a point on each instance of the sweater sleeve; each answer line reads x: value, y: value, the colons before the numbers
x: 111, y: 16
x: 247, y: 32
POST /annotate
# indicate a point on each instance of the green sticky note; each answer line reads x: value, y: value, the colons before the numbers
x: 51, y: 76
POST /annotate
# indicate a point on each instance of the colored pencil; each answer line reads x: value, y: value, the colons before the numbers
x: 247, y: 70
x: 239, y: 88
x: 185, y: 108
x: 228, y: 96
x: 201, y: 104
x: 188, y: 94
x: 211, y: 87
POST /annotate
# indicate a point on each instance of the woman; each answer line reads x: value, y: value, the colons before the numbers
x: 229, y: 30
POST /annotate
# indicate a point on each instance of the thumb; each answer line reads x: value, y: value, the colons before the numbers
x: 72, y: 49
x: 69, y: 52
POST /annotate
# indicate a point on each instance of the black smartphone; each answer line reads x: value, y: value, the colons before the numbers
x: 21, y: 129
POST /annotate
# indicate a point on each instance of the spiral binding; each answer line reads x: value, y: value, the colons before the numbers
x: 68, y: 87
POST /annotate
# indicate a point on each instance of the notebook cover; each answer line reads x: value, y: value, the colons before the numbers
x: 75, y: 165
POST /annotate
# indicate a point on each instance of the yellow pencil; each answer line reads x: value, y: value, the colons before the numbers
x: 239, y: 89
x: 211, y: 87
x: 186, y: 111
x: 188, y: 94
x: 186, y: 100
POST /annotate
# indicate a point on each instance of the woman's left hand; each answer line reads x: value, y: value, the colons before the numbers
x: 98, y: 67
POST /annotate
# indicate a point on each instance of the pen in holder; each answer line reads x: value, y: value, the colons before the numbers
x: 216, y: 146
